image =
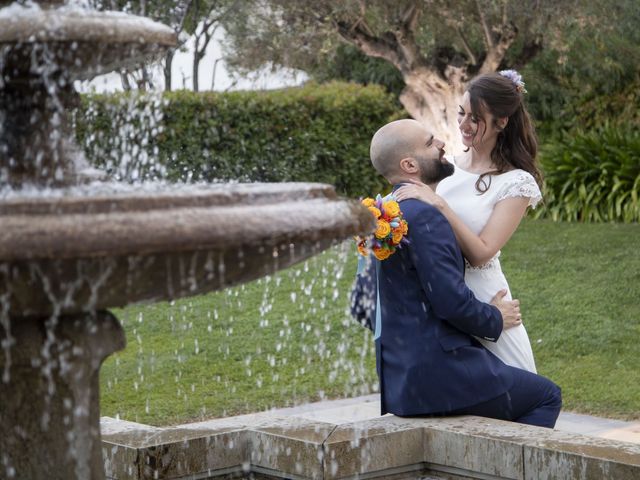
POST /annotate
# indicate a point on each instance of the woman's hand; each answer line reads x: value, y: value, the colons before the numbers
x: 419, y: 191
x: 510, y: 310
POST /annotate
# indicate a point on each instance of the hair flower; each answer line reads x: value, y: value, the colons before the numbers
x: 390, y: 231
x: 515, y: 77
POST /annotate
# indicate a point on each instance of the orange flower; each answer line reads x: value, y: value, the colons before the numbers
x: 382, y: 253
x: 383, y: 229
x: 391, y: 209
x: 369, y: 202
x: 404, y: 227
x: 362, y: 249
x: 375, y: 212
x: 396, y: 236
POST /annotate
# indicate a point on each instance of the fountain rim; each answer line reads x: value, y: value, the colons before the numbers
x: 80, y: 26
x: 164, y: 197
x: 309, y: 214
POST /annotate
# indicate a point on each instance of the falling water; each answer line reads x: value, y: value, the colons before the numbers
x: 132, y: 155
x: 271, y: 336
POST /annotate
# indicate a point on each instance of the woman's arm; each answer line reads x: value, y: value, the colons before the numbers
x: 477, y: 249
x: 505, y: 218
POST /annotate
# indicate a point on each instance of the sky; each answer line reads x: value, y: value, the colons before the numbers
x: 182, y: 74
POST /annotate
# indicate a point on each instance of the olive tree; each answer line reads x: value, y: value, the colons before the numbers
x: 437, y: 46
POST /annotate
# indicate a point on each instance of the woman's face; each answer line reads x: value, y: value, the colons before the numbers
x: 476, y: 132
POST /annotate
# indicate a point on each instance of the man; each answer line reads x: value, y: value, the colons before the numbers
x: 428, y: 361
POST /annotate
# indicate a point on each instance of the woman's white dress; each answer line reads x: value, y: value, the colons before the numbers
x: 474, y: 209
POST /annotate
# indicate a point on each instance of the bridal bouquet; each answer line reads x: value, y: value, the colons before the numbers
x: 390, y: 231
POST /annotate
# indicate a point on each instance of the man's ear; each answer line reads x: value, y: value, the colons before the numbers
x: 409, y: 165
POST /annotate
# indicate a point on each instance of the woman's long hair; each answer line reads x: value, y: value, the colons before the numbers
x: 516, y: 146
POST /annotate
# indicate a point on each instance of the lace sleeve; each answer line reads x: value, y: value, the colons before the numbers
x: 522, y: 185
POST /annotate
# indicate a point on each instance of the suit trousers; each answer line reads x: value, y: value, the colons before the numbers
x: 532, y: 399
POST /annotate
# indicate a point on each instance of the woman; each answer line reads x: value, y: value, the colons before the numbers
x: 494, y: 182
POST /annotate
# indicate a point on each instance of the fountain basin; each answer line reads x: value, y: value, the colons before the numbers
x: 87, y: 253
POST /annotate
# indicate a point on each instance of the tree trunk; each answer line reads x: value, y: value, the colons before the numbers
x: 168, y: 61
x: 145, y: 83
x: 124, y: 78
x: 434, y: 102
x: 213, y: 74
x: 196, y: 68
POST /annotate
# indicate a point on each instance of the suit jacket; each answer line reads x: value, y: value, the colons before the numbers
x: 427, y: 360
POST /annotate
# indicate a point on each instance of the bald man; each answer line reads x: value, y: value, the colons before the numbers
x: 424, y: 316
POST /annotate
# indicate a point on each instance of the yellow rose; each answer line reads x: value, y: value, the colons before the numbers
x: 382, y: 253
x: 369, y: 202
x: 391, y: 209
x: 383, y: 229
x: 396, y: 236
x: 375, y: 212
x: 404, y: 226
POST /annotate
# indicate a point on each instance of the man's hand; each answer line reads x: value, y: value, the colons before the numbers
x: 509, y: 309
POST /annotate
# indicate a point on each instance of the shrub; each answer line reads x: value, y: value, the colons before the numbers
x: 618, y: 108
x: 591, y: 111
x: 593, y: 176
x: 313, y: 133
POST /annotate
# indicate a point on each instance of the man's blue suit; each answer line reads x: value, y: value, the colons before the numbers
x: 427, y: 359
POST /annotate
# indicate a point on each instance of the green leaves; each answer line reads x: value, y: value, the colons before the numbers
x: 593, y: 176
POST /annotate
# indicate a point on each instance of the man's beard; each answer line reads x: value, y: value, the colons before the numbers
x: 432, y: 171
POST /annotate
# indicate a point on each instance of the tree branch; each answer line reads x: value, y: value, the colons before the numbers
x: 496, y: 54
x: 405, y: 35
x: 360, y: 22
x: 373, y: 46
x: 410, y: 17
x: 467, y: 48
x: 363, y: 7
x: 497, y: 39
x: 488, y: 36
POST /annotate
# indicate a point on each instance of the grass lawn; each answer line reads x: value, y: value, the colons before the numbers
x: 579, y: 287
x: 287, y: 339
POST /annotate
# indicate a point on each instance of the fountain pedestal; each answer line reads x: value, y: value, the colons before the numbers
x: 49, y: 396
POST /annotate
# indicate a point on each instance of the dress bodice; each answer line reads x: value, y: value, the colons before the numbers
x: 474, y: 208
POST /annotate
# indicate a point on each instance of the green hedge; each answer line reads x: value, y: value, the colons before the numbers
x: 593, y: 176
x: 313, y: 133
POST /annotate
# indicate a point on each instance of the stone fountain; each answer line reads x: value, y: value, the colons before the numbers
x: 71, y: 247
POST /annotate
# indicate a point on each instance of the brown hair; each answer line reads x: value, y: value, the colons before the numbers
x: 516, y: 145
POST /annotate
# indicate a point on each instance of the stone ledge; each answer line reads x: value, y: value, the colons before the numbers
x: 272, y: 446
